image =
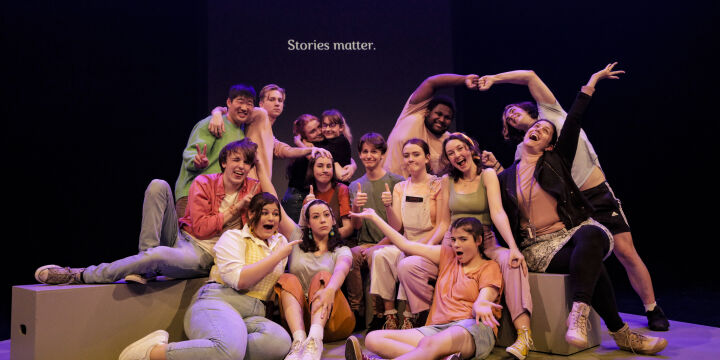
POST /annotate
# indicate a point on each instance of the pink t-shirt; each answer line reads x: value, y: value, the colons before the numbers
x: 455, y: 291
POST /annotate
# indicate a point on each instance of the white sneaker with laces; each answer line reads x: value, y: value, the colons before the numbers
x: 140, y: 350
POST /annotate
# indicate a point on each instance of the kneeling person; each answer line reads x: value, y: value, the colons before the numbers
x: 178, y: 248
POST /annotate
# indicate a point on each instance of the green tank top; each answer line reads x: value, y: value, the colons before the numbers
x: 469, y: 205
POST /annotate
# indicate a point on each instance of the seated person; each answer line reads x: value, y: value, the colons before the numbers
x: 373, y: 189
x: 464, y: 313
x: 323, y: 185
x: 551, y: 219
x: 226, y: 319
x: 178, y: 248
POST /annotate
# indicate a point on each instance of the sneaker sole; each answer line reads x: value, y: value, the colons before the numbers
x: 515, y: 353
x: 576, y: 342
x: 157, y: 333
x: 40, y: 269
x: 352, y: 349
x: 136, y: 279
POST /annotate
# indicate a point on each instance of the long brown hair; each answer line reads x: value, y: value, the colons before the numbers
x: 308, y: 244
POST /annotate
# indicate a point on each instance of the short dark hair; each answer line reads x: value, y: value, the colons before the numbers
x: 425, y: 148
x: 444, y: 100
x: 374, y: 139
x: 241, y: 90
x: 554, y: 137
x: 475, y: 228
x: 512, y: 134
x: 244, y: 146
x: 308, y: 243
x: 257, y: 203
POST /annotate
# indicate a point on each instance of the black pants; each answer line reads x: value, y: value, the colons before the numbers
x: 582, y: 258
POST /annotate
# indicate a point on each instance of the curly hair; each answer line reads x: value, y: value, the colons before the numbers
x: 474, y: 148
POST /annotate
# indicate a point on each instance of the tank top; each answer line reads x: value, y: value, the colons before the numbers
x: 469, y: 205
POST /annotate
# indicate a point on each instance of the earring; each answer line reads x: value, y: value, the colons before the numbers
x: 332, y: 232
x: 310, y: 235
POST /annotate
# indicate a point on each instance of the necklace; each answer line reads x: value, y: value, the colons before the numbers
x: 526, y: 203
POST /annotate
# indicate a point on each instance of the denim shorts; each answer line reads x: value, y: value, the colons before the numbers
x: 482, y: 335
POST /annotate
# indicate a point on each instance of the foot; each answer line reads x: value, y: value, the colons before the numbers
x: 295, y: 350
x: 353, y: 351
x: 138, y: 279
x: 391, y: 322
x: 522, y: 345
x: 377, y: 322
x: 407, y: 324
x: 638, y: 343
x: 657, y: 321
x: 313, y: 349
x: 577, y: 323
x: 56, y: 275
x: 140, y: 350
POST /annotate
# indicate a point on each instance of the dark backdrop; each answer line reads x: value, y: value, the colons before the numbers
x: 98, y: 99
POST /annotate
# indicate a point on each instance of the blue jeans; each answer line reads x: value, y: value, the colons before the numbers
x: 292, y: 202
x: 224, y: 324
x: 164, y: 250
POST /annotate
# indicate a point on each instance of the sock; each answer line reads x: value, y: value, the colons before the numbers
x: 408, y: 315
x: 650, y: 307
x: 299, y: 335
x: 316, y: 332
x: 390, y: 312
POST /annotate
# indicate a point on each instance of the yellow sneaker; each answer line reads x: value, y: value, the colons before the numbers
x: 522, y: 345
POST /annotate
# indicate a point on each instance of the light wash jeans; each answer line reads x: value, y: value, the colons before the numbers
x: 221, y: 323
x: 163, y: 248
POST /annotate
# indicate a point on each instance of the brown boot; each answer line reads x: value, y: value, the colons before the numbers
x: 638, y: 343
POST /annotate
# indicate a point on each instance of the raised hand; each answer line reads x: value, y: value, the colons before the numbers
x: 241, y: 203
x: 488, y: 159
x: 201, y: 161
x: 485, y: 82
x: 217, y: 125
x: 316, y: 151
x: 386, y: 196
x: 483, y: 312
x: 366, y: 213
x: 310, y: 196
x: 608, y: 73
x: 471, y: 81
x: 360, y: 197
x: 285, y: 250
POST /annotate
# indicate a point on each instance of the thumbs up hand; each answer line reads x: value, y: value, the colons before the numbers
x: 310, y: 196
x: 386, y: 196
x: 360, y: 198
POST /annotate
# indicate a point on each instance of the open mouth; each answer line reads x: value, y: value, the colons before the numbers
x: 239, y: 173
x: 460, y: 162
x: 459, y: 253
x: 533, y: 137
x: 268, y: 226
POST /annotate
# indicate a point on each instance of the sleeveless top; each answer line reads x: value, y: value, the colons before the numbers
x: 415, y: 212
x: 469, y: 205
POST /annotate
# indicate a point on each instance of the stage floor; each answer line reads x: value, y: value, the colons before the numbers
x: 685, y: 341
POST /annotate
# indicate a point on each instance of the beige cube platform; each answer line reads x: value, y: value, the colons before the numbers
x: 552, y: 302
x: 94, y: 321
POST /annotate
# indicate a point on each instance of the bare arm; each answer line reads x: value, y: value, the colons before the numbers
x: 442, y: 211
x: 260, y: 132
x: 431, y: 252
x: 254, y: 273
x: 500, y: 219
x: 428, y: 87
x: 483, y: 305
x: 394, y: 212
x: 539, y: 91
x: 347, y: 229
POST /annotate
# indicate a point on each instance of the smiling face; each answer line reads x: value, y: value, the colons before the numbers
x: 320, y: 220
x: 268, y: 222
x: 323, y: 170
x: 312, y: 131
x: 518, y: 118
x: 438, y: 120
x: 236, y: 169
x: 274, y: 103
x: 331, y: 129
x: 539, y: 136
x: 371, y: 156
x: 415, y: 158
x: 239, y: 108
x: 464, y: 245
x: 459, y: 155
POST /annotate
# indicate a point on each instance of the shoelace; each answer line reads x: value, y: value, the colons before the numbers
x: 580, y: 321
x: 527, y: 340
x: 634, y: 339
x: 70, y: 276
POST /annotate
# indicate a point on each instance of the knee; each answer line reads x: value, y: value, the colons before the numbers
x: 595, y: 236
x: 157, y: 187
x: 373, y: 341
x: 428, y: 344
x: 408, y: 268
x: 229, y: 350
x: 278, y: 344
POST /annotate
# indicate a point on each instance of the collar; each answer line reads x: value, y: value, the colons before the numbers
x: 272, y: 242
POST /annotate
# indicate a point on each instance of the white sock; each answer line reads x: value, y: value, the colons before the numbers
x: 390, y: 312
x: 408, y: 315
x: 299, y: 335
x: 650, y: 307
x: 316, y: 332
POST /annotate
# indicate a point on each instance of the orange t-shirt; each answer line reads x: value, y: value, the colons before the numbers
x: 455, y: 291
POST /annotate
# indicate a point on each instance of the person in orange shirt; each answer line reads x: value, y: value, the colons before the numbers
x: 463, y: 319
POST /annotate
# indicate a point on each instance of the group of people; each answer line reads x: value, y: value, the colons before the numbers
x: 421, y: 222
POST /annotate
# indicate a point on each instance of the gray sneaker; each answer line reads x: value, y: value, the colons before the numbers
x: 56, y: 275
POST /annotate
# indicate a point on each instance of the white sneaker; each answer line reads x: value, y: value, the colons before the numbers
x: 140, y: 350
x: 577, y: 323
x: 313, y: 349
x: 295, y: 350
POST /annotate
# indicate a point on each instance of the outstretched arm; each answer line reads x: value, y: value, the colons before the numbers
x: 428, y: 87
x: 431, y: 252
x: 539, y: 91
